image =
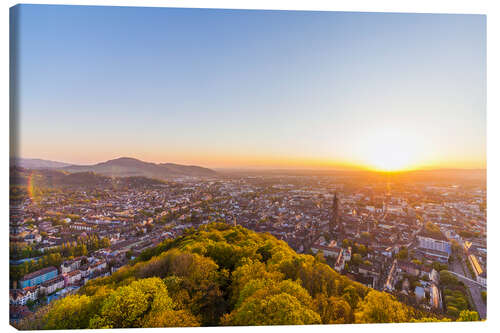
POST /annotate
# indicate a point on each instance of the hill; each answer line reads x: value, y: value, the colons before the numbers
x: 128, y: 167
x: 37, y: 163
x: 222, y: 275
x: 47, y: 178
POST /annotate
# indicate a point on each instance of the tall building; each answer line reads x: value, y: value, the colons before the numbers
x: 335, y: 223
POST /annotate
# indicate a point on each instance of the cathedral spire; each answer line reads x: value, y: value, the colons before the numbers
x: 334, y: 224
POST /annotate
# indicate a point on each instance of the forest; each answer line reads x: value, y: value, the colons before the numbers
x: 224, y: 275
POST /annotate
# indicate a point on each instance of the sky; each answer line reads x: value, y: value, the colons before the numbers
x: 251, y: 89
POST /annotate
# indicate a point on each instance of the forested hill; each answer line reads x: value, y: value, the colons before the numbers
x: 222, y: 275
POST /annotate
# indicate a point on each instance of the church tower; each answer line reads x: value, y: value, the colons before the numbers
x: 335, y: 225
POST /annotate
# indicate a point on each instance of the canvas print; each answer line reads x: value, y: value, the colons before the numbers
x: 179, y: 167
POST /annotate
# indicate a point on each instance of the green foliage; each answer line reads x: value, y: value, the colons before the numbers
x: 51, y: 257
x: 130, y: 306
x: 439, y: 266
x: 278, y: 309
x: 72, y: 312
x: 429, y: 320
x: 223, y: 275
x: 380, y: 307
x: 468, y: 234
x: 333, y: 310
x: 433, y: 230
x: 448, y: 279
x: 402, y: 254
x: 454, y: 293
x: 356, y: 259
x: 467, y: 315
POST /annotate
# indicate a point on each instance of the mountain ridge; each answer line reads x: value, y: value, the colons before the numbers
x: 129, y: 166
x: 122, y: 167
x: 37, y: 163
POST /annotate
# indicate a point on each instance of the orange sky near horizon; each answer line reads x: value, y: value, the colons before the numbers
x: 253, y: 89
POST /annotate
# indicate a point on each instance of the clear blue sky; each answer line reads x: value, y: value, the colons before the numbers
x: 225, y: 88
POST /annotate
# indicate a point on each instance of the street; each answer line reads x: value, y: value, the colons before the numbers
x: 474, y: 287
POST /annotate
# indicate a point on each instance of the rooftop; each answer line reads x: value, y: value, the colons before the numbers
x: 38, y: 273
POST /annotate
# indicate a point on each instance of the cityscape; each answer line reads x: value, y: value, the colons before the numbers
x: 183, y: 167
x: 420, y: 237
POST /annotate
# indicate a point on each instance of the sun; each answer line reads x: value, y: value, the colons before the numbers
x: 390, y: 160
x: 389, y: 151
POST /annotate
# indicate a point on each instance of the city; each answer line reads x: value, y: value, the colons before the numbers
x: 422, y: 241
x: 185, y: 167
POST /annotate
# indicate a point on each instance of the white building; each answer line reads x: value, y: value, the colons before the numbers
x: 430, y: 243
x: 22, y: 296
x: 48, y: 287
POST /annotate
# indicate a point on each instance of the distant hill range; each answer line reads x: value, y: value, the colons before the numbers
x: 42, y: 178
x: 37, y: 164
x: 121, y: 167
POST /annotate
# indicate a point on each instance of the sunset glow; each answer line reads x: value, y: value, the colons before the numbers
x: 374, y: 92
x: 390, y: 150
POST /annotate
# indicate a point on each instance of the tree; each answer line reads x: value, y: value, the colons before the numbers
x: 332, y: 310
x: 366, y: 236
x: 448, y: 279
x: 218, y: 274
x: 351, y: 296
x: 402, y: 254
x: 127, y: 306
x: 171, y: 318
x: 281, y: 309
x: 456, y: 249
x: 467, y: 315
x: 319, y: 257
x: 429, y: 320
x: 71, y: 312
x: 380, y: 307
x: 346, y: 243
x: 362, y: 250
x: 84, y: 250
x: 356, y: 259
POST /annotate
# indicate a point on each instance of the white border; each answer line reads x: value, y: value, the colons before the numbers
x: 422, y: 6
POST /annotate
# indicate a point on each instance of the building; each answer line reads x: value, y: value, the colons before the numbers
x: 347, y: 254
x: 335, y: 225
x: 72, y: 277
x: 38, y: 277
x: 70, y: 265
x: 419, y: 293
x: 431, y: 243
x: 81, y: 226
x: 478, y: 269
x: 18, y: 312
x: 481, y: 278
x: 328, y: 251
x: 48, y: 287
x: 33, y: 238
x: 391, y: 277
x: 434, y: 248
x: 409, y: 267
x: 340, y: 263
x: 435, y: 297
x: 22, y: 296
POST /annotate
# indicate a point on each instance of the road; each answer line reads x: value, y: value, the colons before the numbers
x: 457, y: 267
x: 475, y: 289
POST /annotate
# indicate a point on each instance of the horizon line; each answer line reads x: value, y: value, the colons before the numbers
x: 273, y: 169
